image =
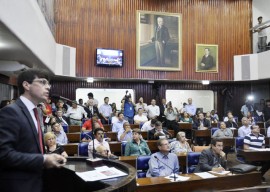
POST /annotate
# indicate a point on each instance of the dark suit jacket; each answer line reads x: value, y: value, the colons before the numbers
x: 196, y: 124
x: 231, y: 124
x: 208, y: 161
x: 60, y: 121
x: 21, y: 161
x: 162, y: 109
x: 151, y: 134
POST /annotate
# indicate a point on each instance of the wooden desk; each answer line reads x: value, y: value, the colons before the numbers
x: 131, y: 160
x: 202, y: 133
x: 251, y: 155
x: 160, y: 184
x: 71, y: 149
x: 107, y: 128
x: 115, y: 147
x: 74, y: 137
x: 185, y: 126
x: 112, y: 135
x: 74, y: 128
x: 228, y: 142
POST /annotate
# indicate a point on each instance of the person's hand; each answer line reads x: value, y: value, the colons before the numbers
x: 218, y: 169
x: 128, y: 129
x: 222, y: 154
x: 54, y: 160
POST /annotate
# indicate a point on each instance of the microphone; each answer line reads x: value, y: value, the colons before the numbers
x: 174, y: 176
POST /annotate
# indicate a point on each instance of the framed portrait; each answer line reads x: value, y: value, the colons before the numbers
x: 158, y: 41
x: 206, y: 58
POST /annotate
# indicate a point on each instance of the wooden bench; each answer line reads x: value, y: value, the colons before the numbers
x: 185, y: 126
x: 71, y: 149
x: 74, y: 128
x: 74, y: 137
x: 107, y: 128
x: 112, y: 135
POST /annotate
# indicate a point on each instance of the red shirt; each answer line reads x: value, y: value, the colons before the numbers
x: 88, y: 124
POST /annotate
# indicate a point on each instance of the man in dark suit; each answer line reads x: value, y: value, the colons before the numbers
x: 63, y: 120
x: 21, y: 144
x: 162, y: 108
x: 158, y: 132
x: 91, y: 109
x: 201, y: 124
x: 161, y: 38
x: 212, y: 159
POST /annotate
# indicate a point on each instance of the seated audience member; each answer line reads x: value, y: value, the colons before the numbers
x: 61, y: 137
x: 158, y: 132
x: 4, y: 103
x: 51, y: 146
x: 255, y: 140
x: 180, y: 145
x: 245, y: 129
x: 201, y: 123
x: 117, y: 126
x: 250, y: 118
x: 231, y: 123
x: 140, y: 118
x: 149, y: 125
x: 99, y: 140
x: 214, y: 116
x: 223, y: 132
x: 125, y: 134
x: 60, y: 118
x: 208, y: 117
x: 114, y: 117
x: 159, y: 160
x: 227, y: 117
x: 60, y: 106
x: 186, y: 118
x: 137, y: 146
x: 102, y: 151
x: 90, y: 122
x: 213, y: 158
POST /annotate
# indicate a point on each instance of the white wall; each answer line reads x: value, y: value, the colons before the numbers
x: 201, y: 98
x: 260, y: 8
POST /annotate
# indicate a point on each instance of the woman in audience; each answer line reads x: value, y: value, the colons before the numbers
x: 250, y: 118
x: 114, y: 109
x: 180, y: 145
x: 186, y: 118
x: 137, y: 146
x: 223, y: 132
x: 51, y: 146
x: 214, y: 117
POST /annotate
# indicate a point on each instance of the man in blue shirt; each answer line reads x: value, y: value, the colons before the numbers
x: 129, y: 108
x: 163, y: 163
x: 117, y: 126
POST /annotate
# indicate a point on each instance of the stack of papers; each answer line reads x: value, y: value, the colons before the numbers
x: 220, y: 173
x: 205, y: 175
x: 101, y: 173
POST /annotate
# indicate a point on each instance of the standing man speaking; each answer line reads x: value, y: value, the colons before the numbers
x: 22, y: 157
x: 161, y: 38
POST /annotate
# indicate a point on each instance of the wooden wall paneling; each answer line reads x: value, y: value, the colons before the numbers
x: 87, y: 25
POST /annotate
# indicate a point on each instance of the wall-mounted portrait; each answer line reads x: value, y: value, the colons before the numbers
x: 206, y: 58
x: 159, y: 41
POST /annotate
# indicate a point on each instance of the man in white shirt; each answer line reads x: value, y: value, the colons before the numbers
x: 262, y: 35
x: 91, y: 96
x: 245, y: 129
x: 141, y: 105
x: 75, y: 114
x: 153, y: 110
x: 105, y: 111
x: 140, y: 119
x: 190, y: 108
x: 149, y: 125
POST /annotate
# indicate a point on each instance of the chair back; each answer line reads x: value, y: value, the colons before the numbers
x: 142, y: 165
x: 199, y: 148
x: 239, y: 143
x: 123, y: 147
x: 213, y: 130
x: 192, y: 161
x: 87, y: 135
x: 83, y: 149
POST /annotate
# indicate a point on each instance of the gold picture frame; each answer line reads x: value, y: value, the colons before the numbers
x: 207, y: 58
x: 158, y: 46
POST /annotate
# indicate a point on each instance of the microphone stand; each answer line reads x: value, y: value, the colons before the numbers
x: 174, y: 176
x: 94, y: 153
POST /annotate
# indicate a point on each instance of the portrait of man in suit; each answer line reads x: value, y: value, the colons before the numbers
x: 159, y: 41
x: 206, y: 58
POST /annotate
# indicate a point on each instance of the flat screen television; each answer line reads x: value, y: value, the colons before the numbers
x: 109, y: 57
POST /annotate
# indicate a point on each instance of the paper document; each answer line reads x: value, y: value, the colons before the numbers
x: 205, y: 175
x: 178, y: 177
x: 220, y: 173
x: 260, y: 149
x: 100, y: 174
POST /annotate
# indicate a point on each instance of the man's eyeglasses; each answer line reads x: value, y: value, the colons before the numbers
x: 42, y: 82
